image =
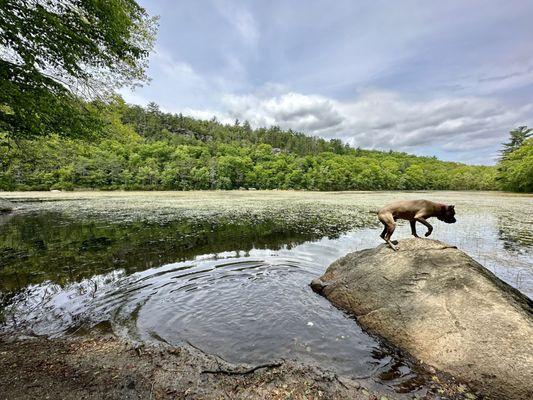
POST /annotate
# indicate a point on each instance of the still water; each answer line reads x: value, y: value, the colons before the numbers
x: 232, y: 288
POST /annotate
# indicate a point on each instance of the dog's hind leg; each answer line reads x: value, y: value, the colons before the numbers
x: 390, y: 231
x: 384, y: 232
x: 384, y: 219
x: 388, y: 221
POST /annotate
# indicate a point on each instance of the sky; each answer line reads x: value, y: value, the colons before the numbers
x: 446, y: 79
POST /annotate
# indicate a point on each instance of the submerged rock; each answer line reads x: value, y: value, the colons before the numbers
x: 6, y: 206
x: 435, y: 302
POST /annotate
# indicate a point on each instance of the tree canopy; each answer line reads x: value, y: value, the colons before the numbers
x: 516, y: 139
x: 515, y: 170
x: 54, y: 54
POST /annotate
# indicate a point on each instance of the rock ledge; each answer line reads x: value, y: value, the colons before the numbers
x: 444, y: 308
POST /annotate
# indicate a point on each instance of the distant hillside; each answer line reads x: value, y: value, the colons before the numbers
x: 144, y: 148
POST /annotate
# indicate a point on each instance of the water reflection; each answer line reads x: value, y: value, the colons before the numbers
x: 514, y: 230
x: 49, y: 246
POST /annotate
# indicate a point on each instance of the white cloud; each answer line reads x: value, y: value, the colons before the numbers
x: 133, y: 97
x: 384, y: 120
x: 207, y: 115
x: 291, y: 110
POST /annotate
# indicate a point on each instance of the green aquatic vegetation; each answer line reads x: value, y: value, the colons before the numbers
x: 304, y: 211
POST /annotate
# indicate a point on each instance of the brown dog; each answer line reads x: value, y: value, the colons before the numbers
x: 413, y: 210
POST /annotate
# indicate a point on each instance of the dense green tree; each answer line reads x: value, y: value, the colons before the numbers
x: 515, y: 170
x: 53, y: 53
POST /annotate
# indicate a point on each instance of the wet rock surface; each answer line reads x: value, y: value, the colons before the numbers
x: 445, y: 309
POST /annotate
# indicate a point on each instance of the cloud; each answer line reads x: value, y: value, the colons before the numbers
x: 241, y: 20
x: 133, y: 97
x: 207, y: 115
x: 178, y: 72
x: 176, y: 84
x: 291, y: 110
x: 464, y: 127
x: 515, y: 74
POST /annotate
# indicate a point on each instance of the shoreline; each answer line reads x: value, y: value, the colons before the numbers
x: 104, y: 366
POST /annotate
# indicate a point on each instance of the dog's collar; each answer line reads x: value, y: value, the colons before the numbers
x: 443, y: 208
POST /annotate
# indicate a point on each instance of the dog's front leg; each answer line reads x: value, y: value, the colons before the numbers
x: 413, y: 228
x: 427, y: 224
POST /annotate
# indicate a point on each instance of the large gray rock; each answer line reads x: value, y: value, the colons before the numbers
x: 442, y: 307
x: 6, y: 206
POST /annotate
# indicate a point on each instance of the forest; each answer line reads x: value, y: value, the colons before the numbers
x: 136, y: 148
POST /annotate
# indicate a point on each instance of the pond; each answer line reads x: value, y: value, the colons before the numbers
x: 228, y: 272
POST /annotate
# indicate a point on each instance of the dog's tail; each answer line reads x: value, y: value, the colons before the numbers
x: 373, y: 211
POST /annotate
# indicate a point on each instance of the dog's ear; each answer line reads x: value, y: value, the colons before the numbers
x: 452, y: 207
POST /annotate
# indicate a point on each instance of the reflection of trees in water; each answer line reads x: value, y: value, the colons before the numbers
x: 39, y: 309
x: 50, y: 246
x: 515, y: 231
x: 5, y: 217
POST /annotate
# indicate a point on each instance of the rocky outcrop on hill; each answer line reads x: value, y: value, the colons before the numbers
x: 441, y: 306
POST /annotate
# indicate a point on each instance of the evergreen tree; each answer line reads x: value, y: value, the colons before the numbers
x: 516, y: 139
x: 515, y: 169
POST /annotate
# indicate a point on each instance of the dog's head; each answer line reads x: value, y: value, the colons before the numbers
x: 448, y: 215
